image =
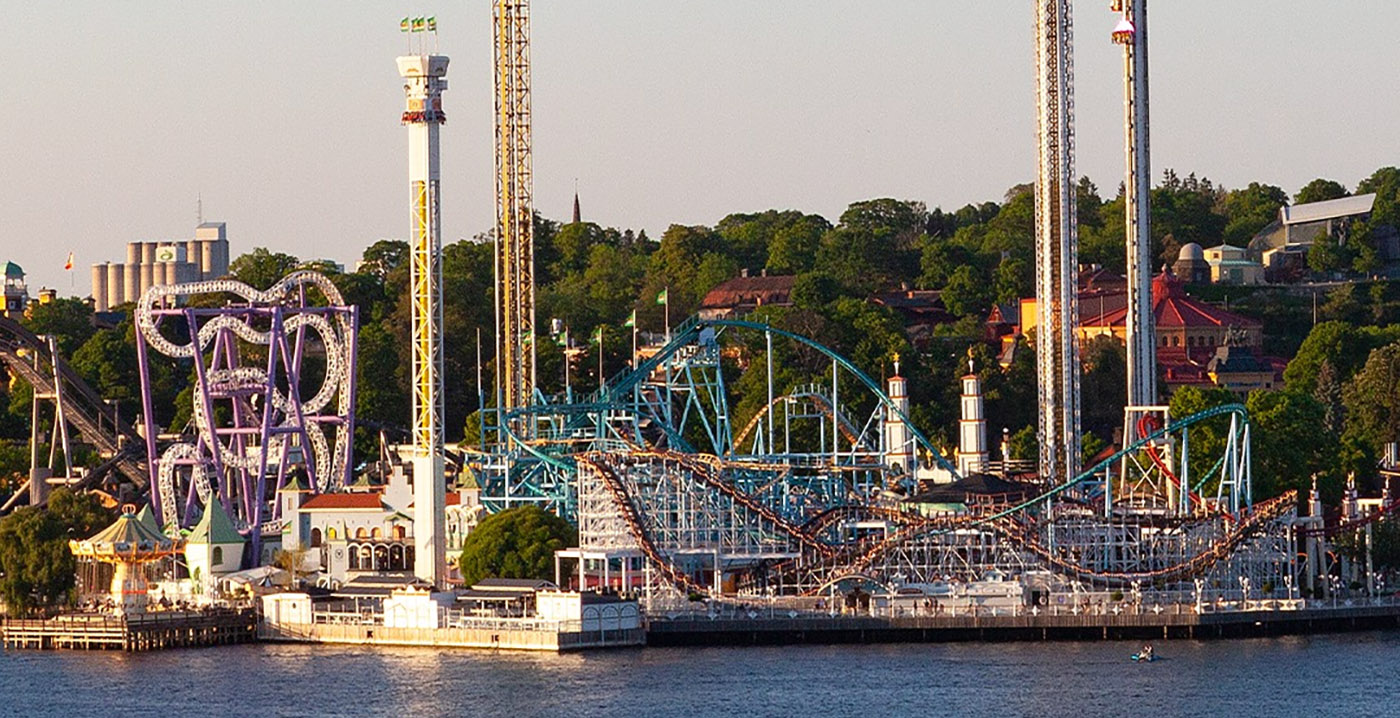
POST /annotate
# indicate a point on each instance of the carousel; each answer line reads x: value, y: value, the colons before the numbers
x: 128, y: 546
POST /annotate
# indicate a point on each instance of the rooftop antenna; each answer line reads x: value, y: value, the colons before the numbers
x: 199, y: 209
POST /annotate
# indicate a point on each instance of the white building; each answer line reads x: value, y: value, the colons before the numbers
x: 369, y: 529
x: 213, y: 549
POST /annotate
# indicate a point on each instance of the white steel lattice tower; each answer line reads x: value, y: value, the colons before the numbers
x: 425, y: 77
x: 515, y: 189
x: 1131, y: 33
x: 1056, y: 245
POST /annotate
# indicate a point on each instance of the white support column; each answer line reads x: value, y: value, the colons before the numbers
x: 425, y: 77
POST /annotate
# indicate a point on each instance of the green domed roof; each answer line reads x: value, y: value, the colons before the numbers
x: 13, y: 270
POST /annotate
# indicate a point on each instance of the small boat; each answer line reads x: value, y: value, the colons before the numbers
x: 1146, y: 655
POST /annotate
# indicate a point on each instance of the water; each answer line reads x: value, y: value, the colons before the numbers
x: 1347, y: 675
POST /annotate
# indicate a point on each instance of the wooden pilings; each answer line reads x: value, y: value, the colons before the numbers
x: 140, y: 632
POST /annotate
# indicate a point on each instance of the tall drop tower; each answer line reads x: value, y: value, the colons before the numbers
x: 425, y: 77
x: 515, y: 205
x: 1131, y: 33
x: 1056, y: 244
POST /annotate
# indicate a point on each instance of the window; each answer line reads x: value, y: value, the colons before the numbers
x: 354, y: 557
x: 361, y: 533
x: 378, y: 533
x: 218, y: 557
x: 399, y: 533
x: 330, y: 533
x: 315, y: 538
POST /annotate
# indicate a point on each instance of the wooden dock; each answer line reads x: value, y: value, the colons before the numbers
x: 143, y: 632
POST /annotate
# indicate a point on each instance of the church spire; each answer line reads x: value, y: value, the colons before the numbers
x: 577, y: 216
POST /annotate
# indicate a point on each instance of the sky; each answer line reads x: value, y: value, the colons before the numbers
x: 118, y: 118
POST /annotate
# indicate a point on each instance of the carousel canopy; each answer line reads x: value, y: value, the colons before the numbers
x: 126, y: 539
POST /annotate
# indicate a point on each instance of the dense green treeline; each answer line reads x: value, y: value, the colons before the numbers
x: 589, y: 276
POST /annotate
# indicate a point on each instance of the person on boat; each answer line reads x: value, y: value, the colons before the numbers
x: 1146, y: 652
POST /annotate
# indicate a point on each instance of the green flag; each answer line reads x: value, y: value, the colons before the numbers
x: 564, y: 338
x: 403, y: 25
x: 432, y: 23
x: 598, y: 335
x: 662, y: 297
x: 418, y: 23
x: 631, y: 320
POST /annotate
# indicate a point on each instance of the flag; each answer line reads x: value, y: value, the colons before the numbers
x: 403, y: 25
x: 662, y: 297
x: 631, y: 320
x: 432, y: 23
x: 69, y: 264
x: 598, y: 335
x: 418, y: 23
x: 564, y: 338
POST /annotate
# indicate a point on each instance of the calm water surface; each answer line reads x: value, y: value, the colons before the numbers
x: 1349, y: 675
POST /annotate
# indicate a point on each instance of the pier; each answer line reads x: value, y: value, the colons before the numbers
x: 139, y: 632
x: 786, y: 629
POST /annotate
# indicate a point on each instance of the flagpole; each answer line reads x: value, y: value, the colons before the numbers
x: 666, y: 293
x: 568, y: 396
x: 600, y: 359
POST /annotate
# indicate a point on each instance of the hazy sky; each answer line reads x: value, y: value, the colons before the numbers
x: 284, y: 116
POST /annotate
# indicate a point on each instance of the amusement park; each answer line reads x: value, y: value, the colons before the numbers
x: 738, y: 469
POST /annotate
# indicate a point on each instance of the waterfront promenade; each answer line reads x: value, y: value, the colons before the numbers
x: 764, y: 626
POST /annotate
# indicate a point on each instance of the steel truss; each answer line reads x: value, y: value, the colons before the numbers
x: 252, y: 411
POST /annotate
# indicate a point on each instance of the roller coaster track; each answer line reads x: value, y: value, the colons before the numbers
x: 82, y: 406
x: 707, y: 469
x: 1258, y: 517
x: 848, y: 430
x: 627, y: 510
x: 1354, y: 524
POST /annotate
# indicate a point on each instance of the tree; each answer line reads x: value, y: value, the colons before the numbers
x: 515, y: 543
x: 1319, y: 190
x: 968, y: 293
x: 1105, y: 384
x: 69, y: 320
x: 1372, y: 398
x: 383, y: 257
x: 39, y: 569
x: 1290, y: 440
x: 261, y: 268
x: 1251, y: 209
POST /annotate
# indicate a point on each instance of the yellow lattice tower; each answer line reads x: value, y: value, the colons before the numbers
x: 515, y: 235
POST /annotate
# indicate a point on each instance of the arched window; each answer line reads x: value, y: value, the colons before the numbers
x: 377, y: 533
x: 315, y: 538
x: 1176, y: 341
x: 399, y: 533
x: 396, y: 558
x: 381, y: 558
x: 330, y: 533
x: 354, y: 557
x: 218, y: 557
x: 366, y: 558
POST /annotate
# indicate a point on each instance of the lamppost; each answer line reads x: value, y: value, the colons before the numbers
x: 1244, y: 592
x: 1200, y: 591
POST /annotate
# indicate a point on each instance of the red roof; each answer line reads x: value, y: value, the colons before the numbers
x: 454, y: 498
x: 750, y: 291
x: 341, y: 502
x: 1171, y: 306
